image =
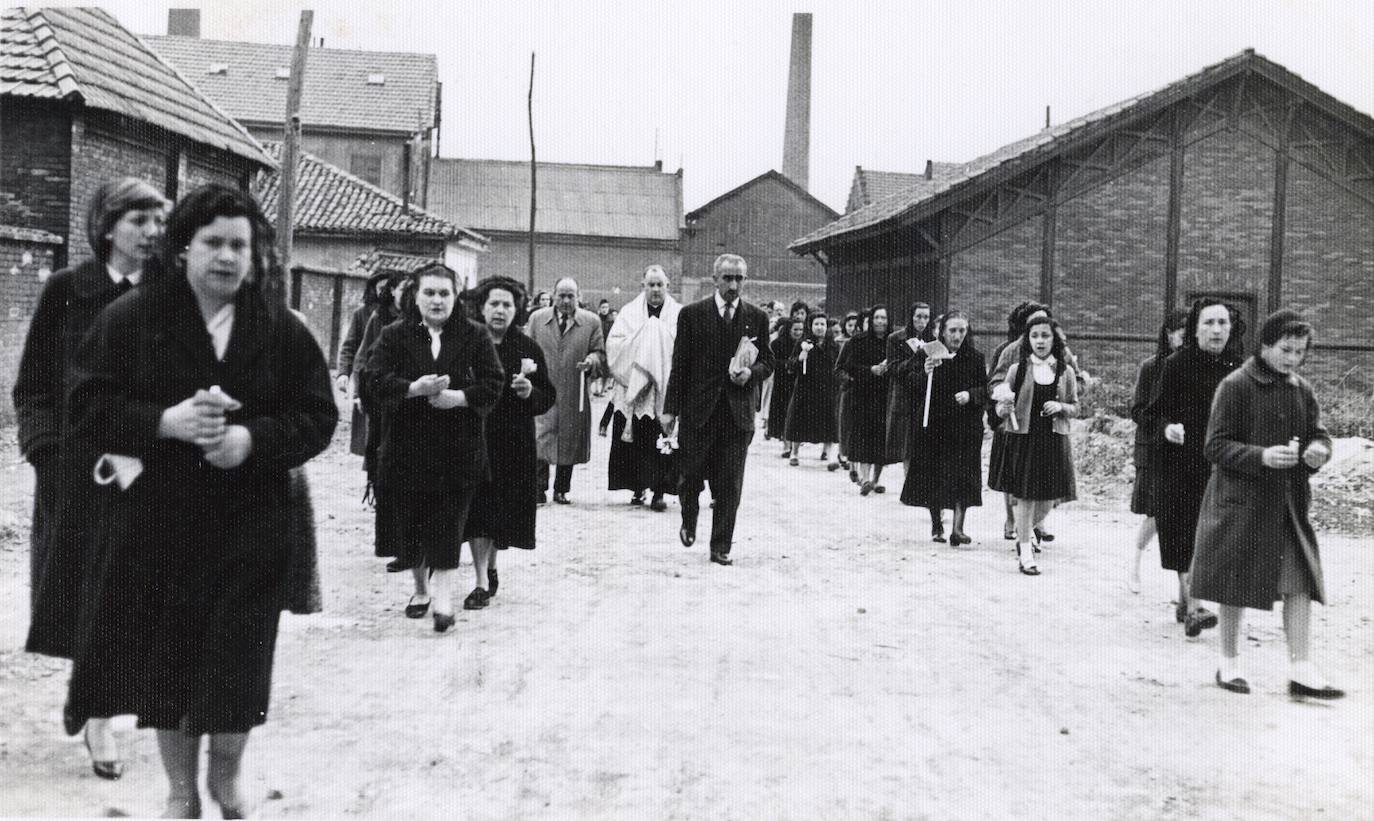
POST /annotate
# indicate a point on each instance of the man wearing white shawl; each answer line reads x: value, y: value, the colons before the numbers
x: 640, y: 352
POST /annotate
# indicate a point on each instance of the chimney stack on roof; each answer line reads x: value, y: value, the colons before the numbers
x: 183, y: 22
x: 796, y: 147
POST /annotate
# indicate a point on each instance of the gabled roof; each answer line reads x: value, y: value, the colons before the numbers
x: 85, y: 55
x: 925, y: 200
x: 635, y: 202
x: 870, y: 186
x: 337, y: 91
x: 378, y: 261
x: 767, y: 175
x: 330, y: 200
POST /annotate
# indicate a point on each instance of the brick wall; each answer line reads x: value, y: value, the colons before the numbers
x: 35, y: 171
x: 317, y: 305
x: 1227, y: 216
x: 600, y: 267
x: 990, y: 278
x: 758, y: 223
x: 1328, y: 259
x: 1109, y: 255
x: 24, y: 267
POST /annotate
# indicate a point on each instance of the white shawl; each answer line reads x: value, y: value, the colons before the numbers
x: 640, y: 353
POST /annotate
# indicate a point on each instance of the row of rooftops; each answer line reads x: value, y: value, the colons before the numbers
x: 207, y: 90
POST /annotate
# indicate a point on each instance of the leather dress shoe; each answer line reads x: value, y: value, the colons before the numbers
x: 1199, y: 621
x: 957, y: 539
x: 1299, y: 690
x: 721, y: 558
x: 1042, y: 536
x: 416, y: 611
x: 637, y: 500
x: 866, y: 488
x: 879, y: 489
x: 397, y: 566
x: 687, y: 534
x: 443, y: 621
x: 561, y: 499
x: 1236, y: 685
x: 658, y: 505
x: 477, y: 599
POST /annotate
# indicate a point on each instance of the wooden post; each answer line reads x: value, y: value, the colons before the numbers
x: 290, y: 147
x: 1175, y: 213
x: 1049, y: 224
x: 1280, y: 216
x: 529, y: 283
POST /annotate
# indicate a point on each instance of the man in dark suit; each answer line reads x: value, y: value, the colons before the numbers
x: 715, y: 401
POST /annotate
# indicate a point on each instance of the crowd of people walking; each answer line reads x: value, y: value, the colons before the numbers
x: 167, y: 399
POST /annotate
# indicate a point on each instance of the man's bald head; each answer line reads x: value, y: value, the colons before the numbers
x: 655, y: 285
x: 565, y: 296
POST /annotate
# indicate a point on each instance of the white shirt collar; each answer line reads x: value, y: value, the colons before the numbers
x: 220, y: 326
x: 720, y: 304
x: 116, y: 277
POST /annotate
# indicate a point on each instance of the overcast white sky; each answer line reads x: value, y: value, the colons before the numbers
x: 893, y: 83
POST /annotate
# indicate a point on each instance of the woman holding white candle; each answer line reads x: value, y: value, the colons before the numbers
x: 811, y: 412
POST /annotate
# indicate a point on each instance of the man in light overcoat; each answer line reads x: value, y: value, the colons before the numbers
x: 575, y: 350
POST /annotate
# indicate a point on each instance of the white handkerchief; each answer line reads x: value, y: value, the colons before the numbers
x: 112, y: 467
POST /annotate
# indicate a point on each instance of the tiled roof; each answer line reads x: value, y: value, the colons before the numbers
x: 84, y: 54
x: 773, y: 175
x: 583, y: 200
x: 390, y: 261
x: 337, y: 91
x: 1025, y: 153
x: 330, y: 200
x: 870, y: 186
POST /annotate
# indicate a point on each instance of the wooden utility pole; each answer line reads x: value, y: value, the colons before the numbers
x: 529, y: 284
x: 290, y: 147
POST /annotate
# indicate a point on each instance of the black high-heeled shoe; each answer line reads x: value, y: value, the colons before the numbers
x: 110, y: 770
x: 443, y: 621
x: 1326, y: 692
x: 957, y: 539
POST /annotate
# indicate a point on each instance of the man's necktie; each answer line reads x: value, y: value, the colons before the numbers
x: 562, y: 324
x: 729, y: 312
x: 124, y: 286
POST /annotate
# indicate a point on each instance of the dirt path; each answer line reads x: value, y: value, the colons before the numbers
x: 838, y: 670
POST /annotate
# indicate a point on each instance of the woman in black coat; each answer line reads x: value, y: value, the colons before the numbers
x: 503, y: 512
x: 946, y: 469
x: 898, y: 398
x: 811, y: 411
x: 203, y: 393
x: 1255, y: 543
x: 1179, y: 410
x: 789, y: 334
x: 124, y: 225
x: 436, y: 375
x: 863, y: 362
x: 1143, y: 490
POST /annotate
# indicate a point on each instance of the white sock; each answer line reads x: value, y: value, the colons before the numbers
x: 1025, y: 551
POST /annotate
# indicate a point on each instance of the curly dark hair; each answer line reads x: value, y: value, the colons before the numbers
x: 480, y: 292
x: 1024, y: 350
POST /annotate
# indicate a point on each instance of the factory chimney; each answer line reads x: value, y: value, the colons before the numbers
x: 796, y: 147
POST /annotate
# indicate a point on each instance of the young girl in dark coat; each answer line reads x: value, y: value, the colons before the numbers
x: 1180, y: 408
x: 898, y: 397
x: 811, y: 411
x: 1142, y: 492
x: 1038, y: 398
x: 124, y: 224
x: 437, y: 375
x: 948, y: 472
x: 1255, y: 543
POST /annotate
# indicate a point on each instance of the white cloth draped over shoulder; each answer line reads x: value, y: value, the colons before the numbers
x: 640, y: 353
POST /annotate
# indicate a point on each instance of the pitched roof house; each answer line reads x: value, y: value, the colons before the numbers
x: 373, y: 113
x: 601, y: 224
